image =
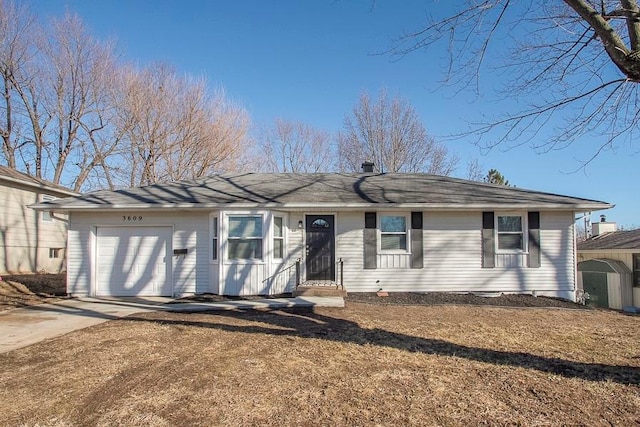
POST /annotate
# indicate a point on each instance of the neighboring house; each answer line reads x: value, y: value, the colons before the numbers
x: 242, y: 235
x: 30, y: 241
x: 609, y: 243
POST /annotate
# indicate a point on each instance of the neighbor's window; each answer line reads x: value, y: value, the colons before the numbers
x: 54, y: 252
x: 636, y: 269
x: 510, y: 233
x: 278, y: 237
x: 245, y: 237
x: 214, y: 243
x: 393, y: 232
x: 46, y: 215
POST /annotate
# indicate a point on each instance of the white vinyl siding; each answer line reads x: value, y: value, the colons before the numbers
x: 190, y: 272
x: 452, y: 243
x: 26, y: 239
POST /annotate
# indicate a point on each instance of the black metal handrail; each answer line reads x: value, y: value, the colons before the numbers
x: 297, y: 267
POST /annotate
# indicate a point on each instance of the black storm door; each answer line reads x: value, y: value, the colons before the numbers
x: 320, y: 247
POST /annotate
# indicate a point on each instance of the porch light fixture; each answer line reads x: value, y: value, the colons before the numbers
x: 300, y: 224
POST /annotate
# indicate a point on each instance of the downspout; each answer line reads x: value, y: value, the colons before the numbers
x: 574, y: 257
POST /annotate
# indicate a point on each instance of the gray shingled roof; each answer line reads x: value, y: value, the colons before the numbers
x: 614, y: 240
x: 327, y: 190
x: 11, y: 175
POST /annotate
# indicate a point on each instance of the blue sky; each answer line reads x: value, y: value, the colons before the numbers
x: 310, y: 60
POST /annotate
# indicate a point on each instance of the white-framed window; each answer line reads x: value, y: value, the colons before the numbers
x: 54, y: 252
x: 245, y: 238
x: 393, y: 232
x: 46, y: 215
x: 510, y: 232
x: 278, y: 237
x: 215, y: 240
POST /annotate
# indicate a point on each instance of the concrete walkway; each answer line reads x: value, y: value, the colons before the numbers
x: 22, y: 327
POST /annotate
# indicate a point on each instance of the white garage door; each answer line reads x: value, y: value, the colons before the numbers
x: 133, y: 261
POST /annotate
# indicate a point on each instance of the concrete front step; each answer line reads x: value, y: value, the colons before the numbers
x: 319, y: 291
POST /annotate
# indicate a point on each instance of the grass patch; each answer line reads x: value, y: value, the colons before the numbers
x: 362, y: 365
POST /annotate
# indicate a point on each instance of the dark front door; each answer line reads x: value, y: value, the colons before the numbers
x: 320, y: 247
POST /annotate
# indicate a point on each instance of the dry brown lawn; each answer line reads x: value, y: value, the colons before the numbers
x: 362, y: 365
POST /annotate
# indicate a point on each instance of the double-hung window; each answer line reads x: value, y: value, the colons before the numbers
x: 278, y: 237
x: 393, y: 233
x: 510, y: 233
x: 245, y: 240
x: 214, y: 238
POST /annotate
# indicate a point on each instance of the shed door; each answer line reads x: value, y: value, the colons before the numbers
x: 595, y: 284
x: 133, y: 261
x: 320, y: 247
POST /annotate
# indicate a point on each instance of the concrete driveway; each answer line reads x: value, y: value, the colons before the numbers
x: 22, y: 327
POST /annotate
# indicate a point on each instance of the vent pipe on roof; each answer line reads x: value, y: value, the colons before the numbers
x: 367, y: 167
x: 603, y: 218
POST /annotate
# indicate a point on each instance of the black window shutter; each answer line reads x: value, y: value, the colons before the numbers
x: 417, y: 252
x: 533, y: 259
x: 370, y: 241
x: 488, y: 240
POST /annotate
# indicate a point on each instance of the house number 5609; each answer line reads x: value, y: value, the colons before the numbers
x: 132, y: 217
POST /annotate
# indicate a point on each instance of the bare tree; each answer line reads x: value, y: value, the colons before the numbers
x: 389, y: 133
x: 474, y: 171
x: 296, y: 147
x: 582, y: 56
x: 175, y: 130
x: 16, y: 27
x: 53, y: 79
x: 71, y: 113
x: 79, y: 78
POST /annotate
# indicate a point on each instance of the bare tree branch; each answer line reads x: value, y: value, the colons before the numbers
x: 577, y: 68
x: 389, y: 133
x: 290, y: 146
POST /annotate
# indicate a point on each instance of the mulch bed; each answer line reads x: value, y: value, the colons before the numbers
x: 442, y: 298
x: 41, y: 283
x: 414, y: 298
x: 29, y: 289
x: 22, y: 290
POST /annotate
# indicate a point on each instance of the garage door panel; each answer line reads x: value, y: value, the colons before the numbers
x: 133, y: 261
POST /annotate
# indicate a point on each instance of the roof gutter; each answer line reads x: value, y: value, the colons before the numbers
x: 595, y: 206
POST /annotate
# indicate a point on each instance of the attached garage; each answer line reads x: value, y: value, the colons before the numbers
x: 133, y: 261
